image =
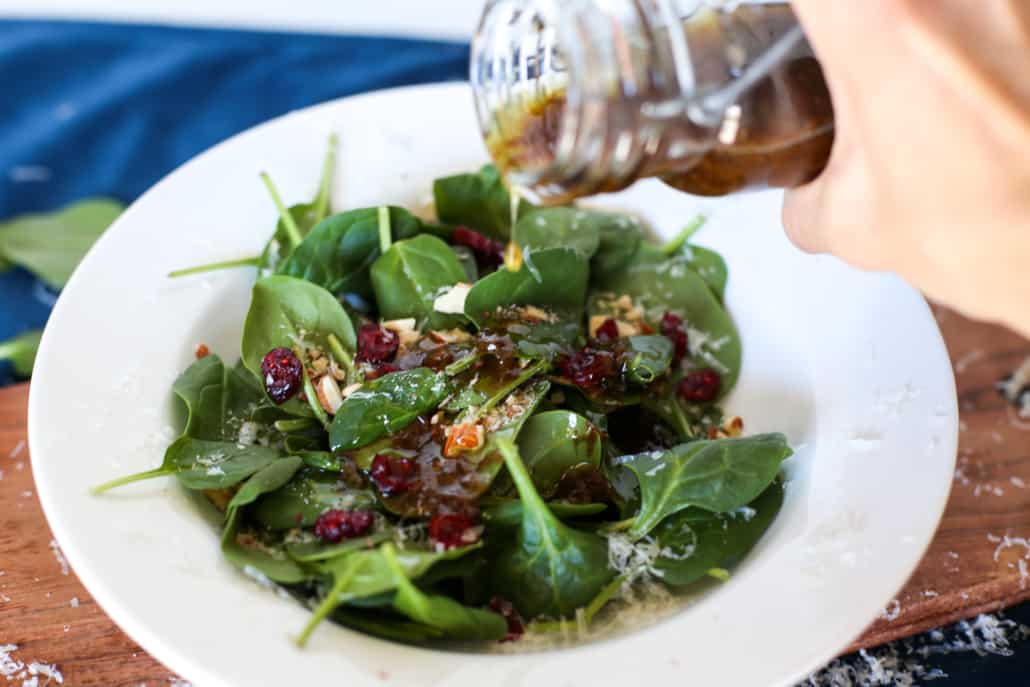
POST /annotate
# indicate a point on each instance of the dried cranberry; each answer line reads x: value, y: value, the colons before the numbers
x: 701, y: 386
x: 202, y: 352
x: 504, y: 608
x: 376, y: 344
x: 452, y: 530
x: 488, y: 252
x: 336, y: 525
x: 608, y: 331
x: 380, y: 370
x: 282, y: 371
x: 673, y: 329
x: 392, y: 476
x: 589, y: 368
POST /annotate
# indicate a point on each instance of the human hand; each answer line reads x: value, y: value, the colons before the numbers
x: 930, y: 172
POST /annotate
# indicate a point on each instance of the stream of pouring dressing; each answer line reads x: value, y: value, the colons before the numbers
x: 512, y: 252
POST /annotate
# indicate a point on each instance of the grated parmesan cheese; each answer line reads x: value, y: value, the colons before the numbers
x: 59, y: 556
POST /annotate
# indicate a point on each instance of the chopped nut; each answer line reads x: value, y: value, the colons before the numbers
x: 532, y: 312
x: 338, y: 373
x: 625, y: 328
x: 450, y: 336
x: 329, y: 396
x: 733, y: 427
x: 350, y: 389
x: 405, y: 329
x: 319, y: 366
x: 202, y: 351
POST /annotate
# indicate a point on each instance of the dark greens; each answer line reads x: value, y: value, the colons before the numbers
x: 427, y: 447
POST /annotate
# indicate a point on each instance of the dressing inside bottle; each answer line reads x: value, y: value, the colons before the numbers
x: 577, y: 97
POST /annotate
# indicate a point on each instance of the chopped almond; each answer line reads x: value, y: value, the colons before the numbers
x: 452, y: 301
x: 329, y: 396
x: 450, y: 336
x: 350, y: 389
x: 338, y: 373
x: 405, y: 329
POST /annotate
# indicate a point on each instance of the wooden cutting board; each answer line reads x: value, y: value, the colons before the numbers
x: 970, y: 568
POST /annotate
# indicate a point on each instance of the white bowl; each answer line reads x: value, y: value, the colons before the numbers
x: 850, y: 366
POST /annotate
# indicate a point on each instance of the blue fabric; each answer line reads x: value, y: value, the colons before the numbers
x: 95, y: 109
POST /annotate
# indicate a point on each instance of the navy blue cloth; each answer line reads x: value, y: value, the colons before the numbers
x: 96, y: 109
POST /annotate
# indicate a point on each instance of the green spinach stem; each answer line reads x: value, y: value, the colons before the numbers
x: 312, y: 398
x: 341, y: 354
x: 674, y: 246
x: 322, y: 200
x: 292, y: 230
x: 619, y: 526
x: 721, y: 574
x: 530, y: 372
x: 681, y: 420
x: 328, y: 605
x: 297, y: 425
x: 603, y: 597
x: 122, y: 481
x: 385, y: 239
x: 462, y: 364
x: 215, y: 266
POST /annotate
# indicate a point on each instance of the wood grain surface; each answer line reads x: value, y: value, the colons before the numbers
x: 970, y: 568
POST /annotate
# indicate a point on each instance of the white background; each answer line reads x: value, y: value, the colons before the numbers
x: 448, y: 19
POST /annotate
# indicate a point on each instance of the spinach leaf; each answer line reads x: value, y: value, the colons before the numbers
x: 696, y: 540
x: 556, y: 277
x: 271, y: 562
x: 708, y: 265
x: 385, y: 406
x: 21, y: 351
x: 441, y: 612
x: 619, y: 240
x: 553, y: 442
x: 468, y: 262
x: 386, y: 626
x: 509, y: 513
x: 361, y: 574
x: 52, y: 245
x: 201, y: 389
x: 549, y: 568
x: 285, y: 311
x: 577, y: 230
x: 200, y: 464
x: 545, y: 340
x: 313, y: 551
x: 338, y: 253
x: 649, y: 357
x: 309, y: 494
x: 410, y: 275
x: 479, y: 201
x: 659, y: 285
x: 716, y: 475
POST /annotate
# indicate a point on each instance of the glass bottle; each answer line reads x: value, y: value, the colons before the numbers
x: 577, y: 97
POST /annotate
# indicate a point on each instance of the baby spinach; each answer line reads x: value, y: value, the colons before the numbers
x: 659, y: 285
x: 385, y: 406
x: 555, y: 278
x: 284, y: 312
x: 410, y: 275
x: 509, y: 513
x: 577, y: 230
x: 717, y: 475
x: 479, y: 201
x: 708, y: 265
x: 649, y: 357
x: 468, y: 262
x: 549, y: 568
x: 385, y: 626
x: 338, y: 253
x: 550, y: 443
x: 697, y: 541
x: 52, y: 245
x: 619, y: 239
x: 309, y: 494
x: 366, y: 573
x: 272, y: 563
x: 545, y: 340
x: 21, y: 351
x: 449, y: 616
x: 200, y: 464
x: 313, y: 551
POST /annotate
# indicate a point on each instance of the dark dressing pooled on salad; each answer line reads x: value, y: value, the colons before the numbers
x: 468, y: 456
